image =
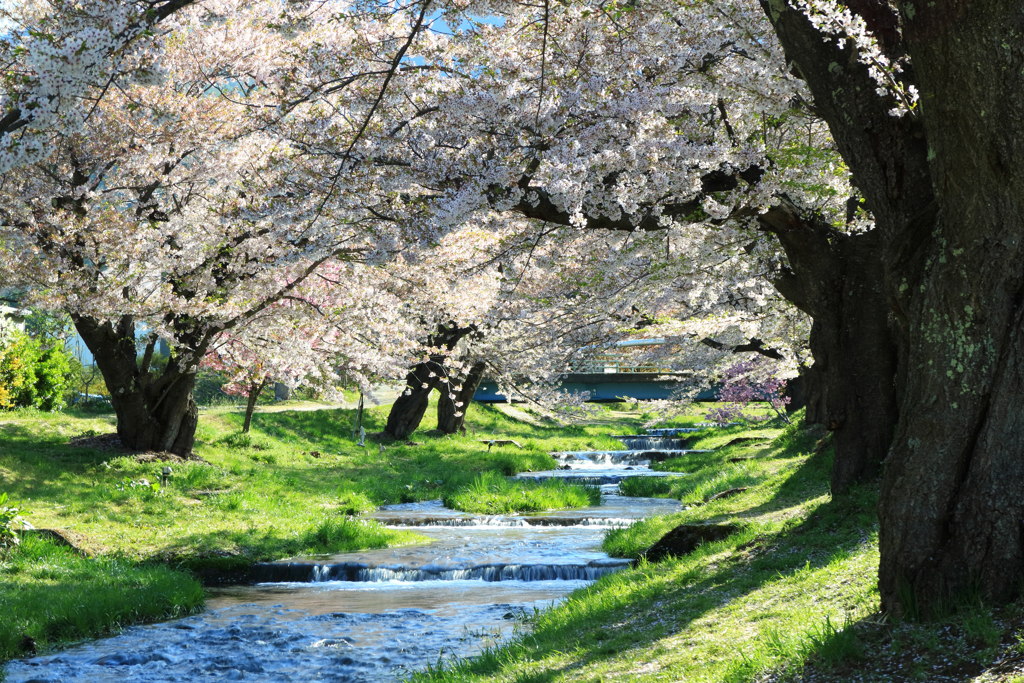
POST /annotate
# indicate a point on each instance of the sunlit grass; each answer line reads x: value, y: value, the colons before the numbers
x: 493, y: 494
x: 49, y: 594
x: 261, y: 492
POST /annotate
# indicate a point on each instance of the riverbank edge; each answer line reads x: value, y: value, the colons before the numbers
x: 790, y: 595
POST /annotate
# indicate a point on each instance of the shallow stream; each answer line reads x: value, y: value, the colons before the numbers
x: 378, y: 615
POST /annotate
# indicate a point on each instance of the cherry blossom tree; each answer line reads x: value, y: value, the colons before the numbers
x: 61, y: 57
x: 171, y: 207
x: 746, y: 382
x: 799, y: 143
x: 659, y: 119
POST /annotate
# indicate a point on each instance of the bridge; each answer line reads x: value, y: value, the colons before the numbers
x: 612, y: 376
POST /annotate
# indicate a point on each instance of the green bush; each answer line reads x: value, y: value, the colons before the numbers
x: 17, y: 374
x: 53, y: 378
x: 32, y: 376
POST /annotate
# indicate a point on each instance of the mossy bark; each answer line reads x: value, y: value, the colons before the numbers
x: 945, y: 188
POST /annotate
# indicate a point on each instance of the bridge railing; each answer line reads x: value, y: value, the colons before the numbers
x: 609, y: 363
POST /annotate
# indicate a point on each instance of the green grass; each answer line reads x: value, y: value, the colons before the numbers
x: 493, y: 494
x: 263, y: 492
x: 791, y: 593
x: 52, y: 595
x: 292, y: 486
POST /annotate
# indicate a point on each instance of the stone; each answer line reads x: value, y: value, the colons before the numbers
x: 685, y: 538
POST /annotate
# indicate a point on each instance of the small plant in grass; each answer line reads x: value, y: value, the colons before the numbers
x: 245, y: 440
x: 833, y: 645
x: 10, y: 522
x: 198, y: 477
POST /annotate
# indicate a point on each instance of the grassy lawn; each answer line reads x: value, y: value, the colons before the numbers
x: 51, y: 595
x: 284, y: 489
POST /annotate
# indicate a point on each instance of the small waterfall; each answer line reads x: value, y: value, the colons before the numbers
x: 600, y: 458
x: 305, y: 572
x: 582, y: 478
x: 478, y: 522
x: 674, y: 431
x: 652, y: 443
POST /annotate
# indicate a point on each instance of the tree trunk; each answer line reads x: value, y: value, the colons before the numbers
x: 948, y: 199
x: 255, y: 389
x: 154, y: 412
x: 407, y: 412
x: 807, y: 391
x: 447, y: 420
x: 837, y: 279
x: 952, y: 503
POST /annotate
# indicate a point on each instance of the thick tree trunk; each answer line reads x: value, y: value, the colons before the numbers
x: 952, y: 508
x: 447, y: 420
x: 948, y: 198
x: 154, y: 412
x: 408, y: 411
x: 838, y: 280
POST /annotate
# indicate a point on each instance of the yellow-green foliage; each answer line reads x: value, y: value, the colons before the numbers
x: 32, y: 376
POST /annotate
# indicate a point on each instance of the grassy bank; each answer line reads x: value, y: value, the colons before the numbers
x: 292, y: 486
x: 492, y: 494
x: 790, y: 596
x: 51, y: 595
x: 274, y: 492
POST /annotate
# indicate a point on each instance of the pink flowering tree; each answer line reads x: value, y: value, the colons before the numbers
x: 748, y: 382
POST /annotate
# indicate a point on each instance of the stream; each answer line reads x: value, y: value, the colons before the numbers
x: 378, y: 615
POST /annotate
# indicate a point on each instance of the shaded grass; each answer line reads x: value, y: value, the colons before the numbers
x: 493, y: 494
x: 51, y: 595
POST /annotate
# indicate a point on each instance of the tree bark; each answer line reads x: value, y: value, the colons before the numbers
x: 948, y: 200
x: 255, y: 389
x: 447, y: 420
x: 410, y: 407
x: 154, y: 412
x: 837, y: 279
x: 407, y: 412
x: 813, y: 395
x: 952, y: 504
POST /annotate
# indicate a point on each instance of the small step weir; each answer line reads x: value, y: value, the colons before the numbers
x: 295, y: 572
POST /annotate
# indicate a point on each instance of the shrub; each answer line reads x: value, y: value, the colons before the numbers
x: 53, y: 378
x: 17, y: 374
x: 31, y: 376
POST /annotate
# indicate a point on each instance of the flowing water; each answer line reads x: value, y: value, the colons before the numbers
x: 379, y: 614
